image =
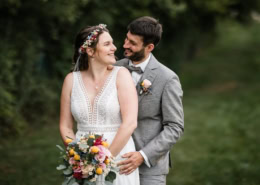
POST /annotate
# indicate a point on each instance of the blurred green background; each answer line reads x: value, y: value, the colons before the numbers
x: 214, y: 47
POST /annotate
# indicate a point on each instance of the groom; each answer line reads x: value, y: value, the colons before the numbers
x: 160, y: 111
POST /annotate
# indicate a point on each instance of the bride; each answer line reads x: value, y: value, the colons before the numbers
x: 99, y: 99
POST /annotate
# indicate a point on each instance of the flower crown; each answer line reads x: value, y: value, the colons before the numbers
x: 91, y: 38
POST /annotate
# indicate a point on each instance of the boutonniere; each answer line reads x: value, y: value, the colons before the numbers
x: 145, y: 87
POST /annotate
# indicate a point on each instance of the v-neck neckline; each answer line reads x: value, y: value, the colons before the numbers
x: 95, y: 100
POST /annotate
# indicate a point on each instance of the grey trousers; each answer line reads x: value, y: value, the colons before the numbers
x: 152, y: 179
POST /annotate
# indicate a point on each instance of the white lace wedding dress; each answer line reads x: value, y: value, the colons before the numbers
x: 103, y: 118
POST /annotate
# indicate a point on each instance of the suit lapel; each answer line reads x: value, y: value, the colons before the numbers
x: 149, y: 74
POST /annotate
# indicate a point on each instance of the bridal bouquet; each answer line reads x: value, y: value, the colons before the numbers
x: 84, y: 160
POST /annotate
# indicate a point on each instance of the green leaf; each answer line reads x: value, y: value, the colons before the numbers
x: 111, y: 176
x: 61, y: 167
x: 68, y: 171
x: 97, y: 136
x: 84, y: 146
x: 71, y: 181
x: 115, y: 168
x: 90, y: 141
x: 89, y: 183
x: 108, y: 183
x: 67, y: 180
x: 59, y: 147
x: 69, y: 137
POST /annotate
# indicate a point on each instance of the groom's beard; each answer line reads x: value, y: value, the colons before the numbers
x: 136, y: 56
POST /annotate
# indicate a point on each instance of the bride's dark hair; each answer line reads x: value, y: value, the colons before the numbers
x: 81, y: 37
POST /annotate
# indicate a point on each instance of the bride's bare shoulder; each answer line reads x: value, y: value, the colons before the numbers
x: 123, y: 72
x: 124, y: 77
x: 68, y: 81
x: 69, y: 77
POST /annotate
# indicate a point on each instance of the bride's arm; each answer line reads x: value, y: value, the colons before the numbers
x: 128, y: 101
x: 66, y: 119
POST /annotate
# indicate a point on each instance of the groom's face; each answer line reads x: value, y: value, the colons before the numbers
x: 134, y: 48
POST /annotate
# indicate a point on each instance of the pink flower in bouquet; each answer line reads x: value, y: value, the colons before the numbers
x: 72, y: 161
x: 76, y: 169
x: 103, y: 165
x: 102, y: 154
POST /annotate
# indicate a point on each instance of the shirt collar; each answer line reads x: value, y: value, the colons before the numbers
x: 143, y: 64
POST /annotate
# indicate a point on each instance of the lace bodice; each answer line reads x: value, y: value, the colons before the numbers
x: 105, y: 114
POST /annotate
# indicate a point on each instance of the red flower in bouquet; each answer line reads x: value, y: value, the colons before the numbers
x: 98, y: 141
x: 77, y: 175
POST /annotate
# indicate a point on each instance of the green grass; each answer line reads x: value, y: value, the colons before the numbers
x: 221, y: 141
x: 32, y: 158
x: 220, y: 145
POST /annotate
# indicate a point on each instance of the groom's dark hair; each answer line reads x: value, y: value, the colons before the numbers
x: 147, y: 27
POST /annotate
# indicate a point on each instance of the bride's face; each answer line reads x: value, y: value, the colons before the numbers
x: 105, y: 50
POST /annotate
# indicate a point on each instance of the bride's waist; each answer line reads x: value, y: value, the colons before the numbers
x: 97, y: 128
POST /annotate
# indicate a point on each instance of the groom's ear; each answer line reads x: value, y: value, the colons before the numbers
x: 150, y: 47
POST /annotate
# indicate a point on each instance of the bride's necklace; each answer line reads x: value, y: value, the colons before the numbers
x: 99, y: 84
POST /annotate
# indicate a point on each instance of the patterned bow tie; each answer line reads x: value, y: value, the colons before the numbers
x: 133, y: 68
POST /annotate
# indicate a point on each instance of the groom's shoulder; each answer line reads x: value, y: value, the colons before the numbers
x: 165, y: 71
x: 121, y: 62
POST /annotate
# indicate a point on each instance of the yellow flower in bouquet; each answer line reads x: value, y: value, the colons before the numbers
x: 99, y: 171
x: 92, y: 136
x: 76, y: 157
x: 105, y: 144
x: 71, y: 152
x: 68, y: 141
x: 107, y: 161
x: 94, y: 149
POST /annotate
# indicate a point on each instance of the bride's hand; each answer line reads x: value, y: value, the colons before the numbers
x: 112, y: 154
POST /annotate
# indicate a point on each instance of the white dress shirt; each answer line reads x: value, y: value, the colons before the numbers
x: 136, y: 77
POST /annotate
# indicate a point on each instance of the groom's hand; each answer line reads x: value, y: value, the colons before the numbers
x: 133, y: 161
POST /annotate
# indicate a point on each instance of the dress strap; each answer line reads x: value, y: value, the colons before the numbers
x: 115, y: 71
x: 75, y: 81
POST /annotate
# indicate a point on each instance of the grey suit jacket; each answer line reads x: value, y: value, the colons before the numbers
x: 160, y: 116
